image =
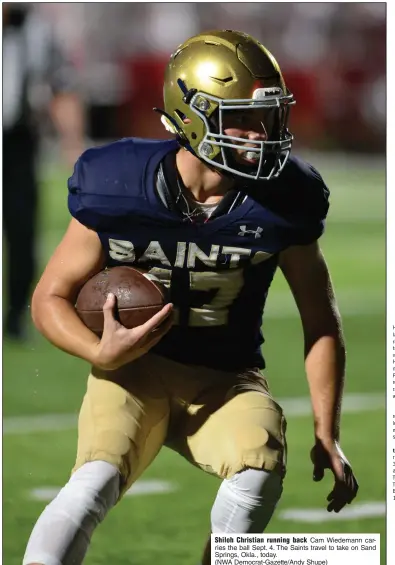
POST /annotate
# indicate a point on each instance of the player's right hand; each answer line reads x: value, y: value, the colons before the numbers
x: 119, y: 345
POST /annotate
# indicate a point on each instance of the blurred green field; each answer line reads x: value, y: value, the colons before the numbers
x: 170, y: 528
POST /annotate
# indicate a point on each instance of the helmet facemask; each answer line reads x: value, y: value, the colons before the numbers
x: 217, y: 148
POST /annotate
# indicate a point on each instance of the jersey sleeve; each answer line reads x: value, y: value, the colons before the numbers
x: 300, y: 196
x: 108, y: 184
x: 99, y: 190
x: 312, y: 206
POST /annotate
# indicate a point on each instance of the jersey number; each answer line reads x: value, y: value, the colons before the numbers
x: 212, y: 294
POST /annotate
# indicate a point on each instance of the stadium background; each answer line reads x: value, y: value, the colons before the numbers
x: 333, y: 59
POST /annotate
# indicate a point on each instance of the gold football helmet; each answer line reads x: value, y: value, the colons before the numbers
x: 227, y: 71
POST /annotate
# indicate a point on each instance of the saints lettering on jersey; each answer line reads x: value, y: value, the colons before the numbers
x: 186, y: 254
x: 221, y: 287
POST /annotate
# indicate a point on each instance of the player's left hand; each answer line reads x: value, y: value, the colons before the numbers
x: 328, y: 455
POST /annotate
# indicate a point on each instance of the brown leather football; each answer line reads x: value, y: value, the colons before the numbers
x: 139, y: 296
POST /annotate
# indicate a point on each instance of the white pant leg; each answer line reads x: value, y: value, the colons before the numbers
x: 62, y: 534
x: 246, y: 502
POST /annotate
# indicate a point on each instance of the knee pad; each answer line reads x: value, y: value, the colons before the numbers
x: 246, y: 502
x: 62, y: 534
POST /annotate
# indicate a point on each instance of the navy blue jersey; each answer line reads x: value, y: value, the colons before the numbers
x: 218, y: 272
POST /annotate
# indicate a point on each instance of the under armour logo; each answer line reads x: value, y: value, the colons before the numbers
x: 244, y: 231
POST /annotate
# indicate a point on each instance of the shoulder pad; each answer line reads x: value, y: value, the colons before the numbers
x: 300, y: 195
x: 107, y: 180
x: 306, y: 188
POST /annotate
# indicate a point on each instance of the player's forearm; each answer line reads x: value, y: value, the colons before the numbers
x: 57, y: 320
x: 325, y: 368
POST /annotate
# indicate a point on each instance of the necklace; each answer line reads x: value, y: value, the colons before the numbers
x: 186, y: 201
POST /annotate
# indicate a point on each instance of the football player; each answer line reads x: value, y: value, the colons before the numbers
x: 212, y: 213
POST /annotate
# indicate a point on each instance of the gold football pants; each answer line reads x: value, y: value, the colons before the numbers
x: 221, y: 422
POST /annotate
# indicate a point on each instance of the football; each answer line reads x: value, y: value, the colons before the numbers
x: 139, y: 296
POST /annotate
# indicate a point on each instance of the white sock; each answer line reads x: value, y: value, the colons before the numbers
x: 62, y: 533
x: 246, y: 502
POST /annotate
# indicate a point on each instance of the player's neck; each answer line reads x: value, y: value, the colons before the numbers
x: 205, y: 184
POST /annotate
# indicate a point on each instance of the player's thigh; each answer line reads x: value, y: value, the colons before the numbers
x: 123, y: 419
x: 246, y: 430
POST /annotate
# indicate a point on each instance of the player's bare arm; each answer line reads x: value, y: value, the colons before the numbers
x: 78, y: 257
x: 307, y: 274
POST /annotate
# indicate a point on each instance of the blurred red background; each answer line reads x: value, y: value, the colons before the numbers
x: 333, y: 56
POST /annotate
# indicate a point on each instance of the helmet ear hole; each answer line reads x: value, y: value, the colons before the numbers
x: 180, y: 115
x: 193, y: 135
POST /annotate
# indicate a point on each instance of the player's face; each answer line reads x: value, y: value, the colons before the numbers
x: 249, y: 125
